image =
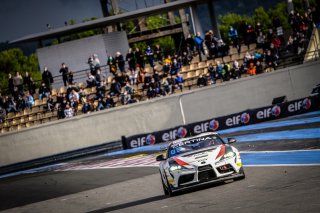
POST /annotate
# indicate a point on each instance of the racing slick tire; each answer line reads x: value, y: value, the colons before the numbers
x: 167, y: 189
x: 243, y: 175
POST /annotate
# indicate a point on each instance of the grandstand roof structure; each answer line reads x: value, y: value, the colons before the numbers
x: 102, y: 22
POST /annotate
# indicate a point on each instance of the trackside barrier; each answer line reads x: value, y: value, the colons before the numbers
x: 244, y: 118
x: 106, y: 147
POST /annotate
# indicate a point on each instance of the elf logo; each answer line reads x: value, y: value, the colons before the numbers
x: 268, y: 112
x: 244, y: 118
x: 298, y: 105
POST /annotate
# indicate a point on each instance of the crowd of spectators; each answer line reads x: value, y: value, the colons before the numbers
x: 162, y: 76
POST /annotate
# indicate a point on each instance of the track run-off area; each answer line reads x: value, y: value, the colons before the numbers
x: 281, y: 159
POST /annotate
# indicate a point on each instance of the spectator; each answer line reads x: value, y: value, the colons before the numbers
x: 70, y: 78
x: 236, y: 70
x: 115, y: 88
x: 99, y: 78
x: 261, y: 40
x: 50, y: 103
x: 167, y: 65
x: 64, y: 70
x: 91, y: 81
x: 112, y: 65
x: 100, y: 105
x: 199, y: 44
x: 3, y: 114
x: 91, y: 65
x: 74, y: 99
x: 47, y: 77
x: 20, y: 103
x: 175, y: 67
x: 179, y: 81
x: 222, y: 48
x: 259, y: 68
x: 202, y: 81
x: 131, y: 60
x: 258, y: 28
x: 129, y: 89
x: 68, y: 112
x: 82, y: 95
x: 220, y: 70
x: 186, y: 58
x: 125, y: 98
x: 10, y: 104
x: 212, y: 72
x: 44, y: 91
x: 165, y: 87
x: 190, y: 43
x: 158, y: 53
x: 133, y: 76
x: 120, y: 61
x: 10, y: 84
x: 29, y: 101
x: 18, y: 83
x: 233, y: 37
x: 139, y: 58
x: 96, y: 62
x: 86, y: 108
x: 109, y: 102
x: 150, y: 56
x: 252, y: 69
x: 250, y: 35
x: 26, y: 80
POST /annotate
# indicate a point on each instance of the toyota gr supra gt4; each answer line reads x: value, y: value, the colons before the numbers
x: 199, y: 160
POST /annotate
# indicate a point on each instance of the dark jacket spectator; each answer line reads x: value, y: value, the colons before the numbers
x: 202, y: 81
x: 86, y: 108
x: 47, y: 77
x: 131, y: 60
x: 109, y: 102
x: 120, y: 61
x: 139, y: 56
x: 10, y: 84
x: 44, y: 91
x: 115, y: 88
x: 2, y: 114
x: 65, y: 72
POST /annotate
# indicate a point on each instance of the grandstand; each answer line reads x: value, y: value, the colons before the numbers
x: 39, y: 114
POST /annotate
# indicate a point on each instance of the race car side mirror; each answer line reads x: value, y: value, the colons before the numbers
x: 160, y: 158
x: 232, y: 140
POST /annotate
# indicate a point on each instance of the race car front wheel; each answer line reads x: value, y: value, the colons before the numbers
x: 243, y: 175
x: 167, y: 189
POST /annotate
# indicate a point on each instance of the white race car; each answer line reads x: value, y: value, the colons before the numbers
x: 199, y: 160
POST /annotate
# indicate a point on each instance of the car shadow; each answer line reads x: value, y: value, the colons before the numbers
x: 130, y: 204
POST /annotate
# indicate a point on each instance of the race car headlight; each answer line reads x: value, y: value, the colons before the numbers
x: 229, y: 155
x: 175, y: 167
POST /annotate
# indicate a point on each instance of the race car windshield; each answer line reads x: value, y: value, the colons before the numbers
x: 193, y: 144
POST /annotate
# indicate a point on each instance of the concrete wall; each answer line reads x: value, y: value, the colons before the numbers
x: 158, y: 114
x: 76, y: 53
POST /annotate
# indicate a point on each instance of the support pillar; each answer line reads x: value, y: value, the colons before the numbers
x: 196, y: 25
x: 184, y: 23
x: 213, y: 18
x: 142, y: 23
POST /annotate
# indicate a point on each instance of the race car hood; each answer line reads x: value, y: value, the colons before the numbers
x: 201, y: 157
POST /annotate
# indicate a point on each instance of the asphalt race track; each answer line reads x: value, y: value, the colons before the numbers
x: 281, y: 176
